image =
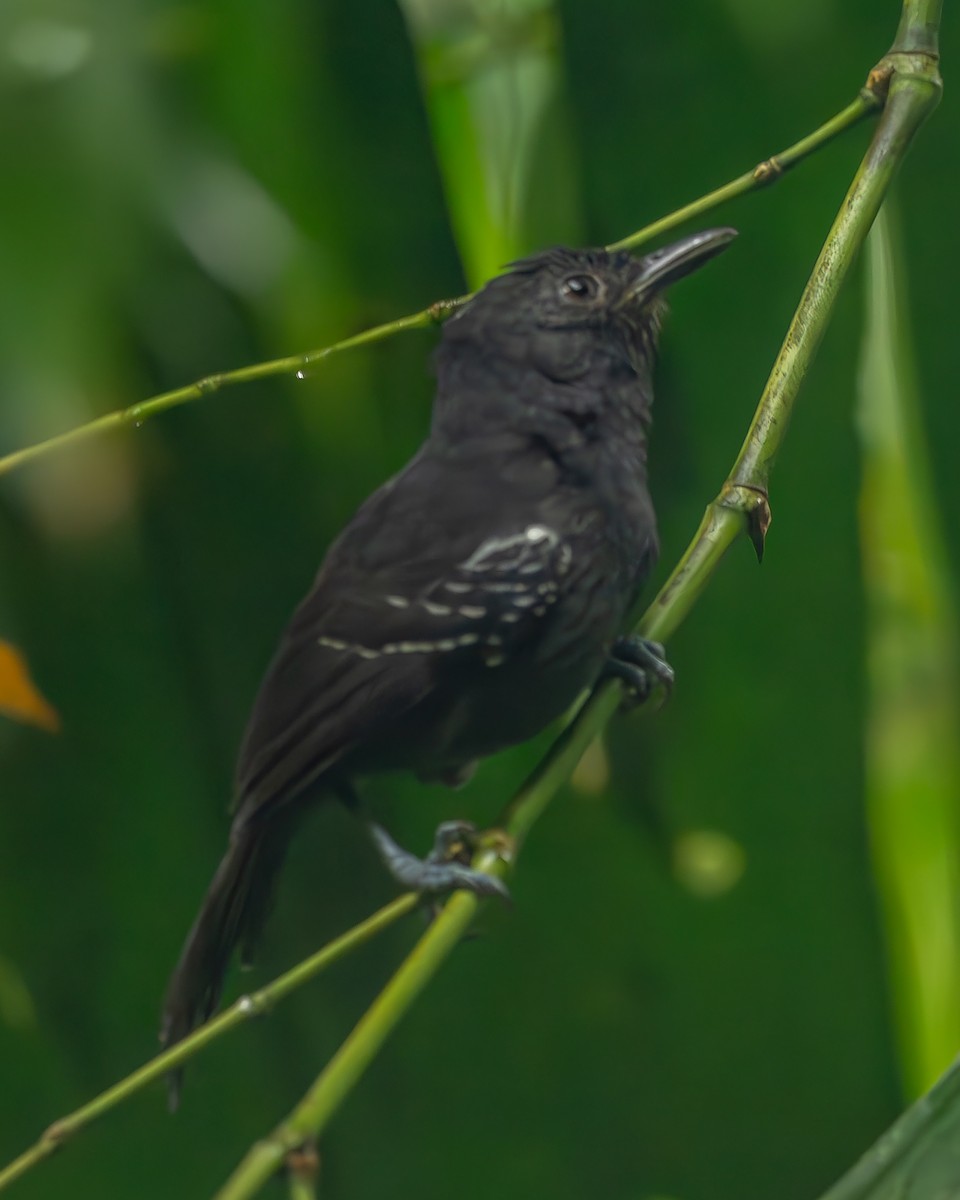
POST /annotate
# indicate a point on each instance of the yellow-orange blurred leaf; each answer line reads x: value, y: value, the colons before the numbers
x: 19, y: 697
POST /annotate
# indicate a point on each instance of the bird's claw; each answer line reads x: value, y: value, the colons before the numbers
x: 446, y: 868
x: 640, y: 665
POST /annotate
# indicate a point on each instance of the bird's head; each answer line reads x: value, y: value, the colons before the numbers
x: 555, y: 309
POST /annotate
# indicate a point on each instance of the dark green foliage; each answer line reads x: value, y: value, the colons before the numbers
x: 622, y: 1038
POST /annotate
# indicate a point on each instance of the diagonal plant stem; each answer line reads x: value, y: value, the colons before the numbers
x: 244, y: 1009
x: 740, y: 507
x: 303, y: 1170
x: 869, y: 100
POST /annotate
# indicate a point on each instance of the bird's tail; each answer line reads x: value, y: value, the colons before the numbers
x: 232, y: 914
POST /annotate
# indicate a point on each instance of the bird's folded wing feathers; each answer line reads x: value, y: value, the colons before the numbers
x: 494, y: 597
x: 360, y: 655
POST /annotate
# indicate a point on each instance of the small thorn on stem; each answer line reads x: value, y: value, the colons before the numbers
x: 758, y: 522
x: 754, y: 503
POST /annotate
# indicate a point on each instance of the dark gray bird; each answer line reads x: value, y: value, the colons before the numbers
x: 475, y: 595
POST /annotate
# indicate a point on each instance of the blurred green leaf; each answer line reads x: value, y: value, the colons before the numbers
x: 911, y: 745
x: 918, y: 1157
x: 16, y: 1004
x: 491, y: 76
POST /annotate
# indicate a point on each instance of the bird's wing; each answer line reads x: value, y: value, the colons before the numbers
x: 488, y: 600
x: 377, y: 633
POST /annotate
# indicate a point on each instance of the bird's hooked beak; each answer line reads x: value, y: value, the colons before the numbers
x: 658, y: 270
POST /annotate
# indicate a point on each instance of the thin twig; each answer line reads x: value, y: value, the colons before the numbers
x: 869, y: 100
x: 242, y: 1010
x: 769, y: 171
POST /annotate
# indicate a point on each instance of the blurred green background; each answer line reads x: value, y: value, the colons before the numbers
x: 703, y: 991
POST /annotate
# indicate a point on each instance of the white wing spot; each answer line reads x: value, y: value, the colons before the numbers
x: 333, y: 643
x: 472, y: 611
x: 397, y: 601
x: 510, y: 618
x: 524, y: 601
x: 504, y: 587
x: 437, y: 610
x: 488, y: 553
x: 441, y: 645
x: 459, y: 588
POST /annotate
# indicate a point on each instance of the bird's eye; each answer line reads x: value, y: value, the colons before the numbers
x: 580, y: 287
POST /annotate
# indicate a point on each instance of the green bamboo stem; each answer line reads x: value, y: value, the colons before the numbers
x: 303, y: 1170
x: 302, y: 1188
x: 252, y: 1005
x: 296, y: 364
x: 740, y: 507
x: 914, y: 93
x: 869, y: 100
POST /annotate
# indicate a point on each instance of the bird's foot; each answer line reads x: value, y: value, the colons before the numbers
x: 446, y: 868
x: 640, y: 665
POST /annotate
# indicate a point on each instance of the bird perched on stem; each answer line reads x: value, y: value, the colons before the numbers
x: 475, y: 595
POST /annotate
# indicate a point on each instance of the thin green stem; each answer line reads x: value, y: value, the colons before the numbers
x: 302, y: 1188
x: 303, y: 1170
x: 914, y: 92
x: 246, y: 1007
x: 353, y: 1057
x: 769, y: 171
x: 740, y: 507
x: 868, y: 101
x: 137, y: 414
